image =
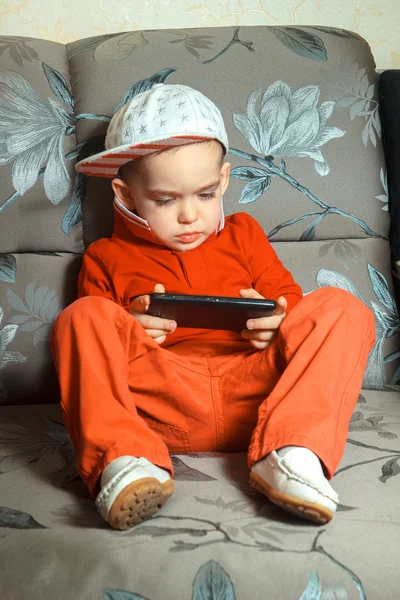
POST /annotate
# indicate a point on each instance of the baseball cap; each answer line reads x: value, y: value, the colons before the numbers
x: 166, y: 115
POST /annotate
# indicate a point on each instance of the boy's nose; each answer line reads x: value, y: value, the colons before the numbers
x: 187, y: 213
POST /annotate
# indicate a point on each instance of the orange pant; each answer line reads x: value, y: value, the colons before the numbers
x: 121, y: 393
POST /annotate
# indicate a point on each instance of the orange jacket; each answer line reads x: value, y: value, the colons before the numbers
x: 132, y: 261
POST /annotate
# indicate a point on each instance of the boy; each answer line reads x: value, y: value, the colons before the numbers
x: 135, y: 387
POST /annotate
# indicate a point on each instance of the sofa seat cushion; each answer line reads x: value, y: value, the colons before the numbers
x: 215, y: 532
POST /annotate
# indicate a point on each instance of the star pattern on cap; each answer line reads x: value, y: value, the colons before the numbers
x: 198, y: 114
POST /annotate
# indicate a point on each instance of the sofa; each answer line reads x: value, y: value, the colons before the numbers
x: 313, y: 146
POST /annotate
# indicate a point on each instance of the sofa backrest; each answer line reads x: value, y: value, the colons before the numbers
x: 301, y: 111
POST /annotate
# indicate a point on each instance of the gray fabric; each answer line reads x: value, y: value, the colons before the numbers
x: 361, y: 267
x: 215, y: 533
x: 37, y: 129
x: 37, y: 288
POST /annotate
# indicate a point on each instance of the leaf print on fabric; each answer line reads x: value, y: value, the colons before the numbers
x: 241, y: 505
x: 288, y: 123
x: 344, y: 250
x: 39, y: 311
x: 182, y: 472
x: 7, y: 334
x: 73, y: 214
x: 372, y: 423
x: 188, y: 529
x: 191, y: 41
x: 387, y: 323
x: 384, y: 197
x: 8, y: 268
x: 86, y: 45
x: 302, y: 43
x: 59, y: 87
x: 390, y: 469
x: 84, y: 514
x: 273, y: 170
x: 352, y: 89
x: 188, y: 534
x: 119, y: 46
x: 15, y: 519
x: 259, y: 529
x: 21, y: 446
x: 121, y: 595
x: 255, y: 189
x: 212, y: 583
x: 32, y: 132
x: 235, y: 40
x: 18, y: 49
x: 313, y: 589
x: 336, y: 31
x: 382, y: 291
x: 260, y: 180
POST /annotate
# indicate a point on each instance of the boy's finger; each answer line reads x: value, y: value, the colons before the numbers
x: 156, y: 333
x: 140, y: 304
x: 281, y: 306
x: 159, y: 288
x: 259, y: 345
x: 250, y: 293
x: 150, y: 322
x: 263, y: 323
x: 261, y: 335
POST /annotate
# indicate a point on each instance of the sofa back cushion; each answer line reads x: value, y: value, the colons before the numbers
x: 301, y: 111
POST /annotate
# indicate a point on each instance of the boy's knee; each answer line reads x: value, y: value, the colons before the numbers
x: 344, y: 299
x: 87, y: 307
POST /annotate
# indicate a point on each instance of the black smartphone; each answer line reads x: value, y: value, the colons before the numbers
x: 209, y: 312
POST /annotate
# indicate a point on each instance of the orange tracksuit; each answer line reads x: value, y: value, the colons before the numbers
x: 203, y: 390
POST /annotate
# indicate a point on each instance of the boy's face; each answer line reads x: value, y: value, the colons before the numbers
x: 178, y: 193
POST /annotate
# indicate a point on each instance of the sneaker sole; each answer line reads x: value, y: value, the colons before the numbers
x: 306, y: 510
x: 139, y: 501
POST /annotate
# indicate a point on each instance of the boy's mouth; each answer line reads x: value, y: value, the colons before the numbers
x: 188, y: 238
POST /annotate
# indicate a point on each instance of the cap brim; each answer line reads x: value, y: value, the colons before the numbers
x: 107, y: 163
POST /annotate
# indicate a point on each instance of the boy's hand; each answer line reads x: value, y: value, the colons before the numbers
x: 260, y: 332
x: 156, y: 327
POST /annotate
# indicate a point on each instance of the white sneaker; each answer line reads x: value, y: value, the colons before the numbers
x: 132, y: 489
x: 297, y: 483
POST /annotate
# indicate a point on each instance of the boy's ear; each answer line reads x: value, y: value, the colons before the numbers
x: 225, y: 170
x: 123, y: 192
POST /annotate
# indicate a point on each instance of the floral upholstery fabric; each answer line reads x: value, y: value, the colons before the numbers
x: 302, y: 115
x: 214, y: 538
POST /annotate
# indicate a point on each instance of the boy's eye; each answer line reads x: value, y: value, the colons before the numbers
x: 164, y: 202
x: 207, y: 195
